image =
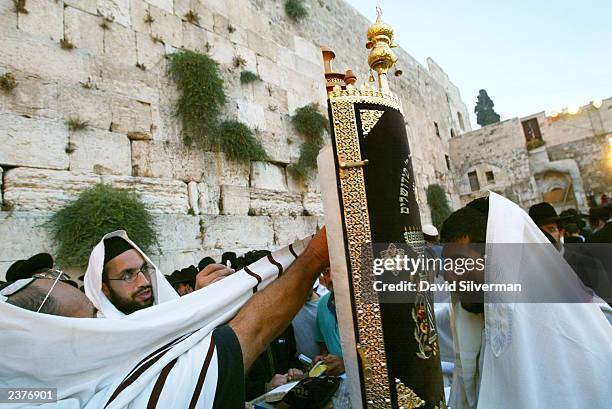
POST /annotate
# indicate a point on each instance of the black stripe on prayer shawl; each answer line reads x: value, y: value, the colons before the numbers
x: 159, y: 384
x: 276, y: 263
x: 140, y: 369
x: 157, y: 351
x: 292, y: 251
x: 256, y: 276
x: 202, y: 377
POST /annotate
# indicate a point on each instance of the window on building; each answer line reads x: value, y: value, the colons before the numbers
x: 474, y: 184
x: 490, y: 176
x: 531, y: 129
x: 461, y: 123
x: 437, y: 129
x: 447, y: 161
x: 453, y: 133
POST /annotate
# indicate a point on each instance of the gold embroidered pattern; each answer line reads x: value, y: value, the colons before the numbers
x: 390, y: 253
x: 369, y: 119
x: 367, y: 96
x: 352, y: 186
x: 406, y: 398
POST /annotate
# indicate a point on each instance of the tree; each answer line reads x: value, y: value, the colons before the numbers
x: 485, y: 114
x: 438, y: 205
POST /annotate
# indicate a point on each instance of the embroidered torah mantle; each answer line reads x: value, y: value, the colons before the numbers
x: 389, y: 340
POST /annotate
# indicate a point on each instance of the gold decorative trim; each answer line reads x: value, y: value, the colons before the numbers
x: 369, y: 119
x: 366, y: 95
x: 406, y: 398
x: 352, y: 190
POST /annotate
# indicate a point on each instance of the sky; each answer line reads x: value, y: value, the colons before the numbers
x: 530, y: 55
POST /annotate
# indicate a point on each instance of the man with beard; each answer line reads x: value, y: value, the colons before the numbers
x: 506, y: 350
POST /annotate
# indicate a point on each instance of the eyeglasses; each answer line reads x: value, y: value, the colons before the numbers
x: 130, y: 276
x: 52, y: 275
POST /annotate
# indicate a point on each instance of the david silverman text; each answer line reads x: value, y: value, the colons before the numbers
x: 469, y: 286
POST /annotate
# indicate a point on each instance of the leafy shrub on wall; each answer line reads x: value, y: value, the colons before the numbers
x: 438, y: 205
x: 78, y: 227
x: 311, y: 125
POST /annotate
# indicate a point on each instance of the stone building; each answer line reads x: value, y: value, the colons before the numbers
x: 115, y: 79
x: 564, y: 159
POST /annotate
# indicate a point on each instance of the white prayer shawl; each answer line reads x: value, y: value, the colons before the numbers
x: 162, y: 290
x: 525, y: 355
x: 87, y: 360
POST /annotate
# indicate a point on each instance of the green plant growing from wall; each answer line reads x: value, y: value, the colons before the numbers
x: 193, y: 17
x: 296, y: 10
x: 66, y: 44
x: 76, y: 124
x: 311, y: 125
x: 237, y: 141
x: 79, y: 226
x: 247, y: 77
x: 148, y: 18
x: 201, y: 99
x: 534, y: 143
x: 20, y: 6
x: 438, y: 205
x: 239, y: 61
x: 8, y: 82
x: 105, y: 24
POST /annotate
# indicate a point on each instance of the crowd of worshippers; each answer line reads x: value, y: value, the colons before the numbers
x: 312, y: 336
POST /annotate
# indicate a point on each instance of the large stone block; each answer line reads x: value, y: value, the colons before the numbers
x: 116, y: 10
x: 33, y: 142
x: 170, y: 160
x: 230, y: 232
x: 88, y: 105
x: 149, y: 53
x: 235, y: 200
x: 27, y: 189
x: 261, y: 46
x: 167, y: 26
x: 160, y: 195
x: 251, y: 114
x: 44, y: 19
x: 25, y: 235
x: 194, y: 38
x: 222, y: 50
x: 120, y: 45
x: 101, y: 152
x: 313, y: 204
x: 89, y: 6
x: 8, y: 17
x: 138, y: 11
x: 208, y: 199
x: 178, y: 232
x: 230, y: 172
x: 129, y: 115
x: 42, y: 57
x: 168, y: 261
x: 268, y: 70
x: 84, y: 30
x: 307, y: 50
x: 166, y: 5
x: 269, y: 203
x: 194, y: 196
x: 265, y: 175
x: 33, y: 96
x: 288, y: 229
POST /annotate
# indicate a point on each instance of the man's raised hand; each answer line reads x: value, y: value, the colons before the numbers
x: 211, y: 274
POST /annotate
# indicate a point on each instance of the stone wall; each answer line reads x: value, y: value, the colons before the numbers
x: 115, y: 79
x: 583, y: 138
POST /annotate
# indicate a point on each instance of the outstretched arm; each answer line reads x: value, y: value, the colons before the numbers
x: 269, y: 312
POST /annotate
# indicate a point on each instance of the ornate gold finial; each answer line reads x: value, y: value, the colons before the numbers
x: 380, y: 42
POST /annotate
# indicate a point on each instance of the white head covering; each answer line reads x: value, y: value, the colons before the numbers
x: 429, y: 230
x: 88, y: 359
x: 529, y: 355
x: 162, y: 290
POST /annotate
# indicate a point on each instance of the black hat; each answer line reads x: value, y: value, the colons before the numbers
x: 204, y: 262
x: 228, y: 255
x: 543, y: 213
x: 26, y: 268
x: 600, y: 212
x: 186, y: 275
x: 114, y: 246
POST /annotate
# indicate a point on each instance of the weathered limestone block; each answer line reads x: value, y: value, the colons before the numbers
x: 42, y: 57
x: 194, y: 38
x: 228, y: 28
x: 168, y: 261
x: 162, y: 4
x: 160, y: 195
x: 248, y: 56
x: 84, y: 30
x: 27, y: 236
x: 268, y: 70
x: 230, y: 232
x: 167, y: 26
x: 288, y: 229
x: 251, y: 114
x: 8, y: 17
x: 168, y: 160
x: 230, y: 172
x: 128, y: 81
x: 261, y: 46
x: 100, y: 152
x: 138, y: 12
x: 120, y: 45
x: 130, y: 115
x: 88, y: 105
x: 313, y: 204
x: 209, y: 196
x: 271, y: 96
x: 178, y: 232
x: 148, y: 52
x: 235, y: 200
x: 222, y: 49
x: 267, y: 202
x: 265, y: 175
x: 307, y: 50
x: 33, y: 142
x: 89, y: 6
x: 32, y: 97
x: 44, y: 19
x: 275, y: 144
x: 116, y: 10
x: 28, y: 189
x: 192, y: 191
